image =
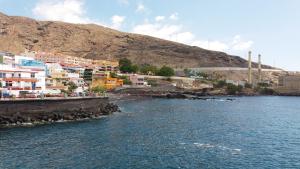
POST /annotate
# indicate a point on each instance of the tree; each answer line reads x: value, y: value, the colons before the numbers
x: 188, y: 72
x: 134, y: 69
x: 0, y: 84
x: 220, y: 84
x: 127, y: 66
x: 166, y: 71
x: 233, y: 89
x: 113, y: 75
x: 125, y: 79
x: 72, y: 87
x: 148, y: 69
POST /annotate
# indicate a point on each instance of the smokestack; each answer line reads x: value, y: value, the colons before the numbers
x: 249, y: 68
x: 259, y: 69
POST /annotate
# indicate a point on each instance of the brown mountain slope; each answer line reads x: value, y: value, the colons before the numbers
x: 93, y: 41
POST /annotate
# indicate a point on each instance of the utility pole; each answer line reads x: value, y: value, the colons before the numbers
x: 249, y: 68
x: 259, y: 69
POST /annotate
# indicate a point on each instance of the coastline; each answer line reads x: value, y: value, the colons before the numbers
x: 108, y: 105
x: 14, y: 113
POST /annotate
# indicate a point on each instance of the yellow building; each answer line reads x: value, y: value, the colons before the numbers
x: 103, y: 79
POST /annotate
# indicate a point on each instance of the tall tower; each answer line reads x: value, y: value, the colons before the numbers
x: 259, y: 69
x: 249, y: 68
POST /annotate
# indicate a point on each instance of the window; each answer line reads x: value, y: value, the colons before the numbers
x: 32, y: 75
x: 8, y: 83
x: 19, y: 75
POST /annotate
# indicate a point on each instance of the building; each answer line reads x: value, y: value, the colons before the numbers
x: 58, y: 78
x: 16, y: 80
x: 237, y: 83
x: 105, y: 65
x: 103, y: 79
x: 21, y: 75
x: 289, y: 84
x: 34, y: 65
x: 137, y: 80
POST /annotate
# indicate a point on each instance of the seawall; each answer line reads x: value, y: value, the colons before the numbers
x: 50, y: 110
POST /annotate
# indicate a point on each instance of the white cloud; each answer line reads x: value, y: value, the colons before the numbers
x: 117, y: 21
x: 174, y: 32
x: 159, y: 18
x: 140, y: 8
x: 65, y: 10
x: 72, y: 11
x: 174, y: 16
x: 240, y: 45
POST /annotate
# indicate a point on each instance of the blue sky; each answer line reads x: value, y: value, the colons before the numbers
x: 268, y: 27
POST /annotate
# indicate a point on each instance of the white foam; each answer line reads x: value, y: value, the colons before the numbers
x: 204, y: 145
x: 224, y: 148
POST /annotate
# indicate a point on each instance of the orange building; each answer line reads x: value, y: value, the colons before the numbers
x: 103, y: 79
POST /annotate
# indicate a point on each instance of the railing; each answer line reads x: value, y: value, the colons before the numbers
x: 21, y: 88
x: 26, y: 79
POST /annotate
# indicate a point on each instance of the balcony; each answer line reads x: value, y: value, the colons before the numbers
x: 20, y: 88
x: 20, y: 79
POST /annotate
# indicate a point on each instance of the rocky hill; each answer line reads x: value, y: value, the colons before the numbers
x: 93, y: 41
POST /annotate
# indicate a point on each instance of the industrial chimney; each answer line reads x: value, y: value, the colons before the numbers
x: 249, y: 68
x: 259, y: 69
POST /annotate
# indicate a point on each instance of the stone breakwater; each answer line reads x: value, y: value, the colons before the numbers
x: 20, y: 112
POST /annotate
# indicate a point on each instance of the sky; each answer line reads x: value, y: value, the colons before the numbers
x: 266, y: 27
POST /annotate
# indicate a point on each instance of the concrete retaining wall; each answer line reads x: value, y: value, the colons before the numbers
x: 30, y: 111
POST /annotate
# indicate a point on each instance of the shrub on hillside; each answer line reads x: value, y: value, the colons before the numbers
x: 233, y: 89
x: 166, y: 71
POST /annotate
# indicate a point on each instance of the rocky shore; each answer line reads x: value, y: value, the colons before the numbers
x: 178, y: 94
x: 24, y: 112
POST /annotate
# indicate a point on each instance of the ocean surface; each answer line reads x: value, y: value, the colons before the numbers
x: 248, y: 132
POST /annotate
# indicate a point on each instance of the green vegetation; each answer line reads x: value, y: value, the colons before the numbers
x: 265, y: 90
x: 220, y: 84
x: 113, y: 75
x: 263, y: 85
x: 0, y: 84
x: 248, y: 85
x: 125, y: 79
x: 98, y: 90
x: 126, y: 66
x: 147, y: 69
x: 233, y: 89
x: 201, y: 74
x: 188, y: 72
x: 166, y: 71
x: 230, y: 88
x: 72, y: 87
x: 152, y: 83
x: 65, y: 91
